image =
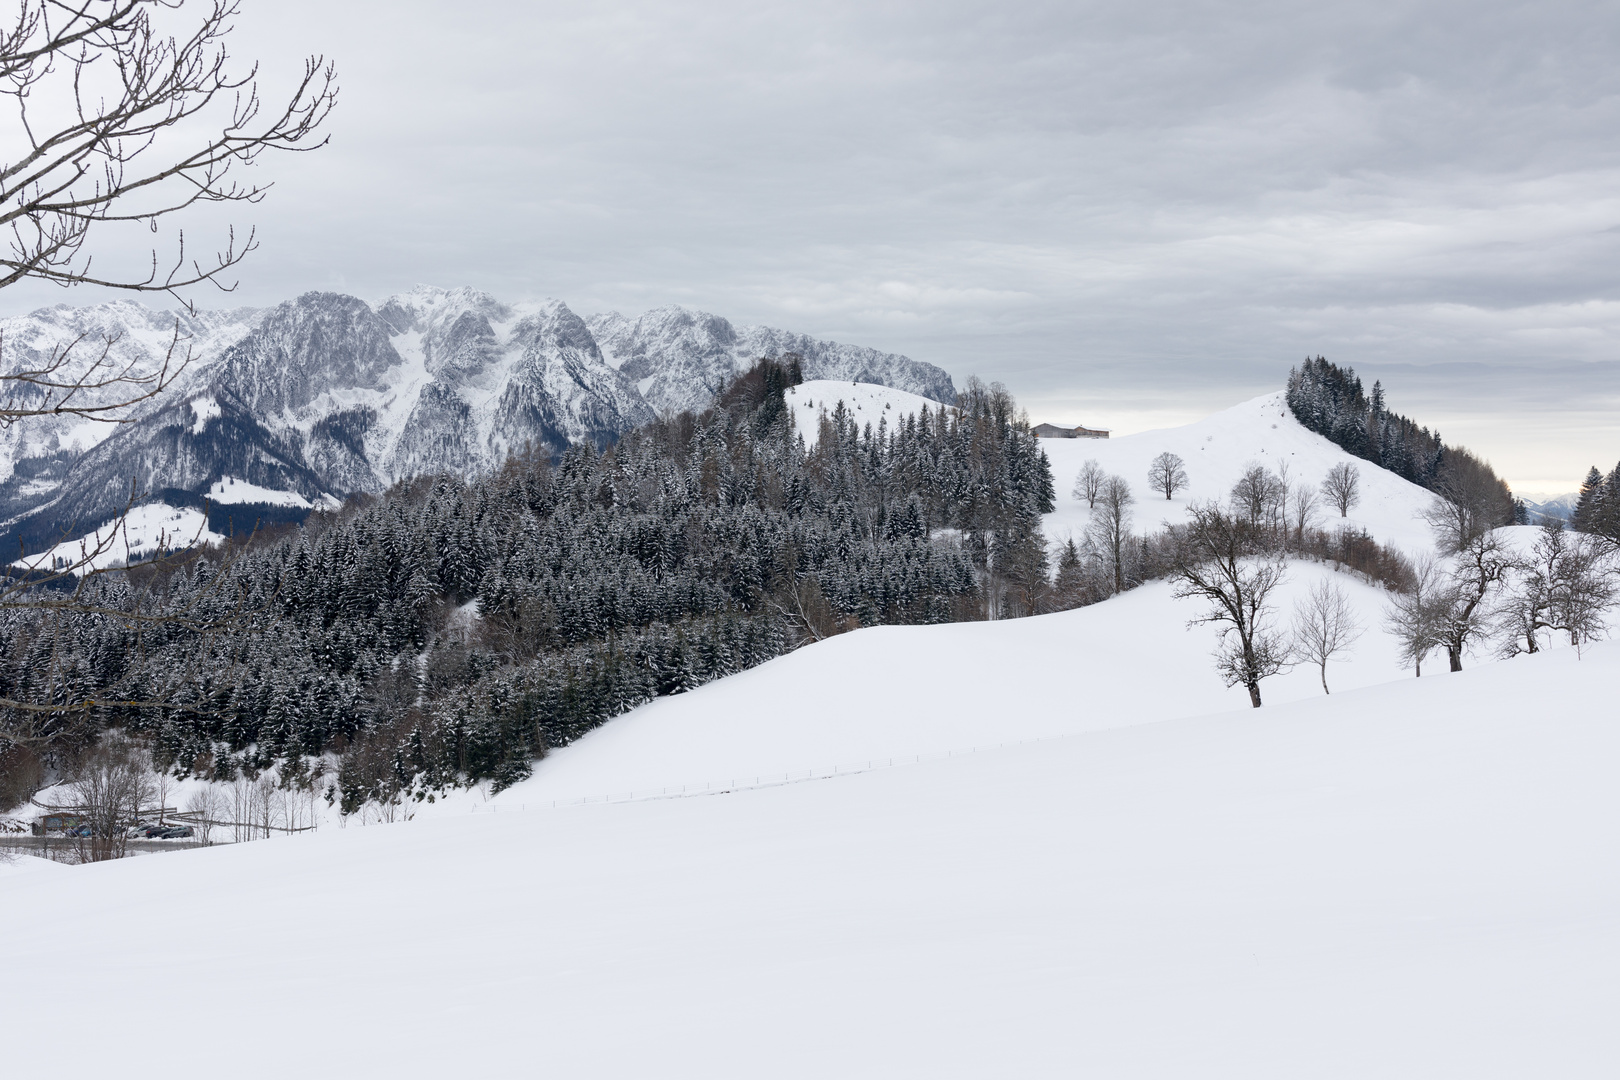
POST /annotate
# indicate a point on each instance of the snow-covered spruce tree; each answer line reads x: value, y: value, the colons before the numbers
x: 1588, y: 503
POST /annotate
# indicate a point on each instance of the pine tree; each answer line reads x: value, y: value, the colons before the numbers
x: 1587, y: 504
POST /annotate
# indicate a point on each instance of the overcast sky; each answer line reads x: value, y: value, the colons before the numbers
x: 1130, y: 213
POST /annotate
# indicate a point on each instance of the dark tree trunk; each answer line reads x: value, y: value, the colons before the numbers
x: 1454, y: 652
x: 1254, y: 694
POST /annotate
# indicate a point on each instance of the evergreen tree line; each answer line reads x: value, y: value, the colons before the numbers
x: 1597, y: 511
x: 1332, y: 402
x: 451, y: 630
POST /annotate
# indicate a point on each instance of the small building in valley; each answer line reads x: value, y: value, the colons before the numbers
x: 1052, y: 431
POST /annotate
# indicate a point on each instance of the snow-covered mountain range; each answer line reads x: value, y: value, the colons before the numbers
x: 327, y: 395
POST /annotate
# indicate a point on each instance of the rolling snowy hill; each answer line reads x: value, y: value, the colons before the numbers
x: 1403, y: 881
x: 1217, y: 450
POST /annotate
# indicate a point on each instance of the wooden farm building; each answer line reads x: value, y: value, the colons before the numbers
x: 1052, y: 431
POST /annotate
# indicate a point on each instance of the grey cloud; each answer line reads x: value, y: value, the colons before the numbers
x: 1106, y: 202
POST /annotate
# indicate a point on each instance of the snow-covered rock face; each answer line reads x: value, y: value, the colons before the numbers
x: 681, y: 358
x: 327, y: 395
x: 130, y: 337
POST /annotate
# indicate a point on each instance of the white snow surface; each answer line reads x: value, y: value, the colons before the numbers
x: 1217, y: 450
x: 231, y: 490
x: 138, y: 535
x: 1408, y: 880
x: 867, y: 403
x: 203, y: 409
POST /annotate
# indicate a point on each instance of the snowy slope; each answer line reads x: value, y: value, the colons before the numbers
x: 1411, y: 880
x: 142, y: 533
x: 866, y: 402
x: 1217, y: 450
x: 897, y: 691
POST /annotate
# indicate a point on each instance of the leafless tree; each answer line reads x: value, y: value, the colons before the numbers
x: 1563, y: 584
x: 1108, y: 533
x: 206, y: 807
x: 1302, y: 504
x: 1168, y: 474
x: 162, y: 785
x: 1221, y: 560
x: 1342, y: 488
x: 118, y: 124
x: 1325, y: 625
x: 1477, y: 569
x: 111, y: 786
x: 1414, y: 616
x: 1470, y: 502
x: 1088, y: 484
x: 1259, y: 498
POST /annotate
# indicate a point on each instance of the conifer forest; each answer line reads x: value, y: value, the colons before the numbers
x: 699, y: 545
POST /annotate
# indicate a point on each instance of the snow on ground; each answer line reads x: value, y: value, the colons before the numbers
x: 866, y: 402
x: 203, y: 409
x: 1408, y: 880
x: 231, y: 490
x: 904, y: 690
x: 12, y: 863
x: 141, y: 533
x: 1217, y: 450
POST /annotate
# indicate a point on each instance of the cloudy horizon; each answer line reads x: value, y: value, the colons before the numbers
x: 1130, y: 217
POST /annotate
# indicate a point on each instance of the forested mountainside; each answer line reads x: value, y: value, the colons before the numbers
x: 326, y: 395
x: 696, y: 546
x: 1332, y: 402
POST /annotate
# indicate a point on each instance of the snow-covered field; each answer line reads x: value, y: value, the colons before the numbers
x: 138, y: 535
x: 867, y: 403
x: 1410, y: 880
x: 1103, y: 864
x: 232, y: 490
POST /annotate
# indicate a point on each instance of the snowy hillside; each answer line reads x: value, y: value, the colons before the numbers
x: 1217, y: 450
x: 144, y: 531
x: 868, y: 403
x: 1401, y: 881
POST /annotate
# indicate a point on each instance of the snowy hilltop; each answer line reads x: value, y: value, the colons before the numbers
x: 327, y: 395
